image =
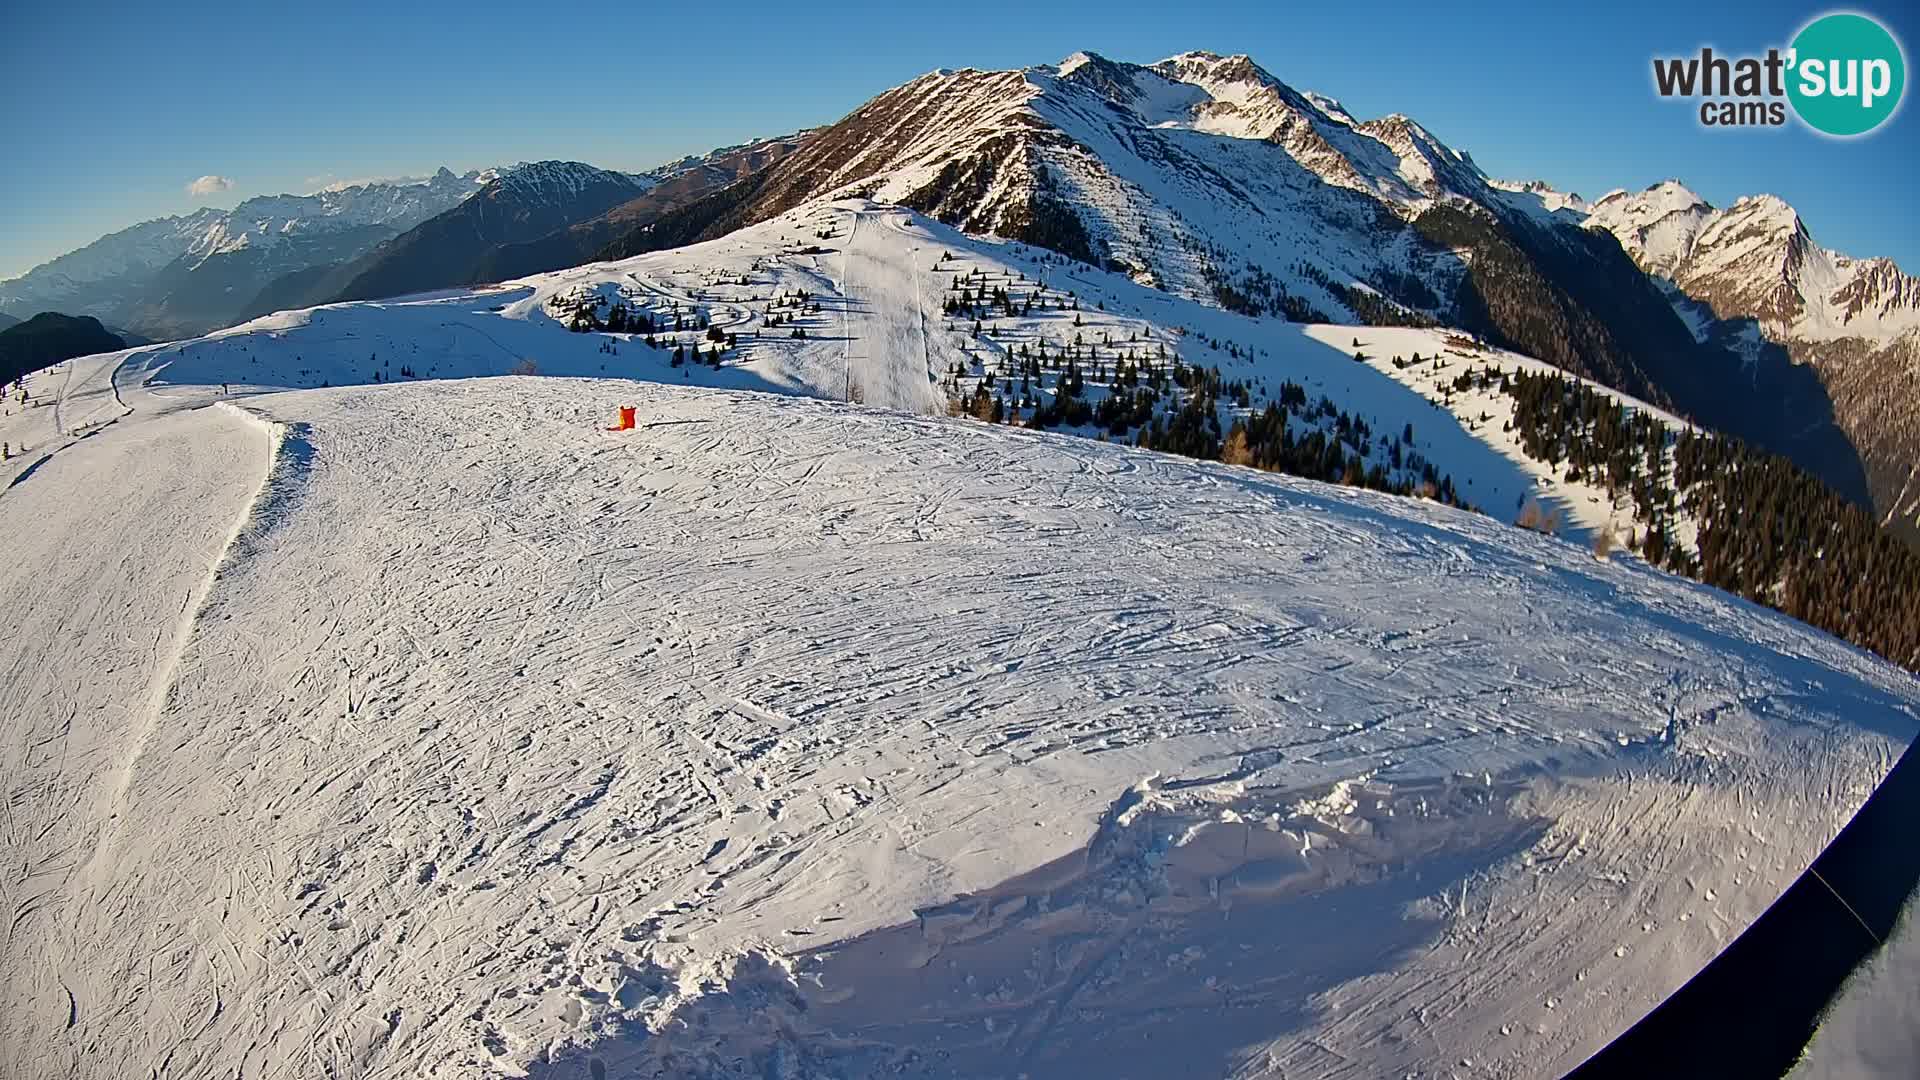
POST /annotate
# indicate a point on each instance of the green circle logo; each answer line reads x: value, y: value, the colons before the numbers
x: 1848, y: 74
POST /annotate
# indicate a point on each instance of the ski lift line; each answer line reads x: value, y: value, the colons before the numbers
x: 1843, y: 903
x: 846, y: 304
x: 920, y: 310
x: 1774, y: 982
x: 455, y: 337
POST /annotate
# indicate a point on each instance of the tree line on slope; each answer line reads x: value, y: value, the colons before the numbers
x: 579, y: 311
x: 1571, y: 297
x: 1132, y: 390
x: 1767, y: 530
x: 1176, y: 408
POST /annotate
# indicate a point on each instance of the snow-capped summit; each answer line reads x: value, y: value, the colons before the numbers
x: 1856, y: 322
x: 268, y: 219
x: 143, y: 247
x: 1075, y: 62
x: 1657, y: 226
x: 556, y: 181
x: 1149, y: 167
x: 1226, y: 77
x: 441, y: 175
x: 1540, y: 196
x: 516, y: 204
x: 145, y: 275
x: 1330, y: 106
x: 1432, y: 167
x: 1757, y: 259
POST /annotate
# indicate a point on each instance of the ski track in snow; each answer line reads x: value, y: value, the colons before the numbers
x: 115, y: 543
x: 889, y: 361
x: 793, y: 738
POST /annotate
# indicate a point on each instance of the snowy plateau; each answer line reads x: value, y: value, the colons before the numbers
x: 371, y: 710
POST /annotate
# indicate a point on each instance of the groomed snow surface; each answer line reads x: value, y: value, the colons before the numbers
x: 430, y: 729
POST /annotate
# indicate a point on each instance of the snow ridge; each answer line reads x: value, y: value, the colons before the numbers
x: 1194, y: 173
x: 1757, y: 258
x: 114, y: 270
x: 561, y: 182
x: 269, y: 219
x: 166, y: 672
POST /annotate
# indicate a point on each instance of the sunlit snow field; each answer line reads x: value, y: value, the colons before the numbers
x: 431, y: 729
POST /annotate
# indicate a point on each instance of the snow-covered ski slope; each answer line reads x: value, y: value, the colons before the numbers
x: 883, y: 297
x: 874, y: 328
x: 432, y: 730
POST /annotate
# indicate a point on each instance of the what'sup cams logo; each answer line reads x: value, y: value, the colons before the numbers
x: 1843, y: 75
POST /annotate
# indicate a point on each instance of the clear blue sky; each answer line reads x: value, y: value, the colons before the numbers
x: 110, y: 110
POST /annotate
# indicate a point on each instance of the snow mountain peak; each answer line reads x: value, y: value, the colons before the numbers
x: 561, y: 178
x: 1757, y: 259
x: 1756, y: 267
x: 268, y: 219
x: 1186, y: 173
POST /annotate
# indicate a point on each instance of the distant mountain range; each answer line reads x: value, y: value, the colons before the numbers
x: 527, y: 219
x: 1200, y: 175
x: 673, y: 185
x: 185, y: 275
x: 520, y: 203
